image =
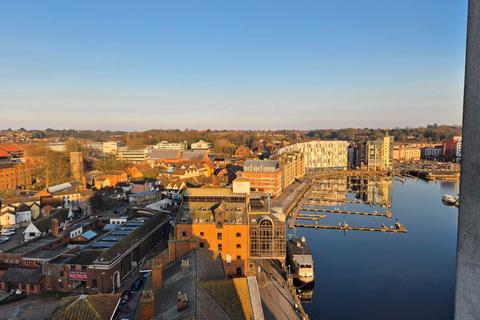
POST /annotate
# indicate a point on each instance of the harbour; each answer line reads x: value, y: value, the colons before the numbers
x: 384, y: 263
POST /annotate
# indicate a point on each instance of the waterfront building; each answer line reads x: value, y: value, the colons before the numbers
x: 233, y: 223
x: 406, y: 152
x: 292, y: 166
x: 321, y: 155
x: 264, y: 176
x: 379, y: 153
x: 432, y: 153
x: 452, y: 149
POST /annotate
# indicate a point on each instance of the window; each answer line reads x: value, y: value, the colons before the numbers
x: 202, y: 234
x: 219, y: 247
x: 184, y: 233
x: 239, y: 245
x: 72, y: 267
x: 219, y: 236
x: 239, y: 257
x: 84, y: 268
x: 94, y: 283
x: 202, y: 245
x: 238, y: 234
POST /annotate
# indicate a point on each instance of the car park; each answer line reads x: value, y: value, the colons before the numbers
x: 7, y: 233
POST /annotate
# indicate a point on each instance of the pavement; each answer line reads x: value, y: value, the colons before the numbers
x: 277, y: 301
x: 28, y: 309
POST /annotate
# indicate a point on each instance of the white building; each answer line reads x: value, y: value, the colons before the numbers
x: 321, y: 155
x: 170, y: 145
x: 201, y: 145
x: 57, y: 146
x: 132, y: 155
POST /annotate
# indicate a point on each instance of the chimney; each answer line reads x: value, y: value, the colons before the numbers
x: 157, y: 274
x: 147, y: 301
x: 55, y: 228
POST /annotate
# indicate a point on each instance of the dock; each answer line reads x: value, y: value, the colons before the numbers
x: 351, y: 228
x: 386, y: 214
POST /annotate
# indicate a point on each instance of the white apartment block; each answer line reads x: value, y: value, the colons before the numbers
x: 322, y: 155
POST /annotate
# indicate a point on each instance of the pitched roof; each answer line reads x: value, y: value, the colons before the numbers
x: 23, y: 207
x: 4, y: 154
x: 95, y: 307
x: 194, y: 155
x: 44, y: 224
x: 22, y: 275
x: 270, y: 164
x: 161, y: 154
x: 10, y: 147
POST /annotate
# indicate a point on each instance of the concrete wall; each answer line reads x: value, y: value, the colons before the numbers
x: 467, y: 294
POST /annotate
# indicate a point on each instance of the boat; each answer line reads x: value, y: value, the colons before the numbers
x: 299, y: 257
x: 449, y: 199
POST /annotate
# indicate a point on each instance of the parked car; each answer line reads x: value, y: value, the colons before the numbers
x: 7, y: 233
x: 4, y: 239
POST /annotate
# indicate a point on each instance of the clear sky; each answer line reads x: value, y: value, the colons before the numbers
x: 138, y: 65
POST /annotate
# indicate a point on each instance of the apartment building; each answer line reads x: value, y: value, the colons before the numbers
x: 292, y: 166
x: 379, y: 153
x: 321, y: 155
x: 452, y: 149
x: 264, y: 176
x: 406, y: 152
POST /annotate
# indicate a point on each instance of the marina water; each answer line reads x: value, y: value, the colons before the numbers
x: 373, y: 275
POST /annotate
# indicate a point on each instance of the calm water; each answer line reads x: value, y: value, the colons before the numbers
x: 372, y: 275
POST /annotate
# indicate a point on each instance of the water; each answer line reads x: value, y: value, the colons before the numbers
x: 373, y: 275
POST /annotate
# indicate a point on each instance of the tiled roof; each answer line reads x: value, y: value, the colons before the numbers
x: 95, y: 307
x: 44, y: 224
x: 22, y: 275
x: 4, y: 154
x: 261, y: 163
x: 161, y: 154
x: 10, y: 147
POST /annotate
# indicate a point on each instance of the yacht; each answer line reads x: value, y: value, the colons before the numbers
x: 449, y: 199
x: 299, y: 257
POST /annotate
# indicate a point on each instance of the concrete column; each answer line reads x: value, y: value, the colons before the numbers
x: 467, y: 295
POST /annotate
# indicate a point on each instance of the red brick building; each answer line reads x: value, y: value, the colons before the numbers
x: 15, y: 176
x: 264, y: 176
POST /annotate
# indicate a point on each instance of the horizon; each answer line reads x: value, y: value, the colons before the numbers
x: 229, y: 65
x: 223, y: 129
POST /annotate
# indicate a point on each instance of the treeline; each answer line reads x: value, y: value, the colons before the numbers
x: 430, y: 133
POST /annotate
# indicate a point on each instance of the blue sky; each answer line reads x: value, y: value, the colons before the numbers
x: 137, y: 65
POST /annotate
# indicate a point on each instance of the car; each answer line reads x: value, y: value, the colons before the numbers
x: 8, y: 233
x: 4, y: 239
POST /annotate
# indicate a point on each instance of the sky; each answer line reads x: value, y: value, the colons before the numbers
x: 139, y: 65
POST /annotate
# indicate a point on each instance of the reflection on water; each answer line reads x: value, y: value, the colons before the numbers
x: 372, y: 275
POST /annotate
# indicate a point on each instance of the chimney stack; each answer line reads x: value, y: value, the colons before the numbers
x: 146, y: 305
x: 55, y: 228
x: 157, y: 274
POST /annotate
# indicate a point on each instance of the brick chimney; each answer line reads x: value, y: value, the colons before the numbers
x: 55, y: 228
x: 157, y: 274
x: 147, y: 302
